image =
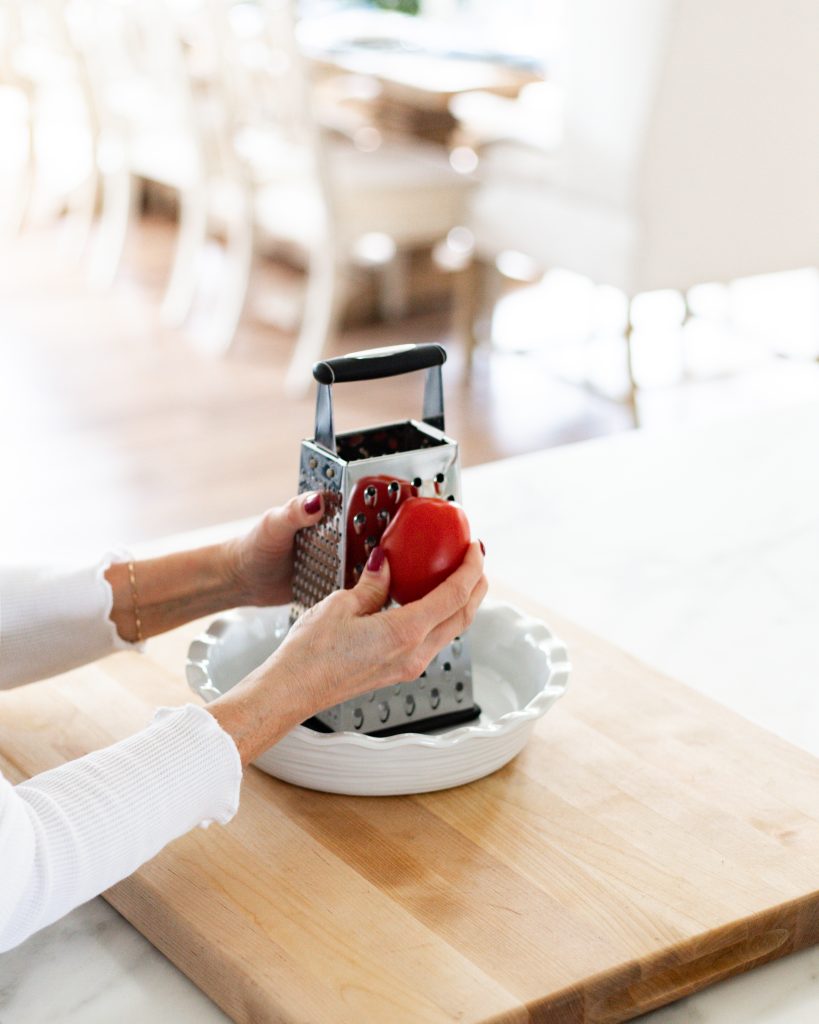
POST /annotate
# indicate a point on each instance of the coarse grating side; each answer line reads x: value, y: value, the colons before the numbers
x: 444, y: 689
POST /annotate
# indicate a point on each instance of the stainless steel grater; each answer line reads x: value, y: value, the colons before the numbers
x: 364, y: 476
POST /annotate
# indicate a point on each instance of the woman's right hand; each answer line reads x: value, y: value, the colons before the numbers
x: 346, y: 645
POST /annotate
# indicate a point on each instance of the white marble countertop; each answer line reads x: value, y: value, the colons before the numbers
x: 698, y: 551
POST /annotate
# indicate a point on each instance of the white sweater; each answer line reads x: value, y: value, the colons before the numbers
x: 68, y: 834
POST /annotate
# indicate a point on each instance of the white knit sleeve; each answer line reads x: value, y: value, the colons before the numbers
x: 52, y: 620
x: 68, y: 834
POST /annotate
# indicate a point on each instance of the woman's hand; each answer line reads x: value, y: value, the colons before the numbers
x: 261, y: 563
x: 346, y: 645
x: 165, y: 592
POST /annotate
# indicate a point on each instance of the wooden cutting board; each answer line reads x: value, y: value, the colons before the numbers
x: 646, y: 843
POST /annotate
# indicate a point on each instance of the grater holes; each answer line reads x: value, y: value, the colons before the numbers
x: 316, y: 559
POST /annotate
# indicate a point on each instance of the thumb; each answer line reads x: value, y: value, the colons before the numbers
x: 372, y: 589
x: 303, y: 510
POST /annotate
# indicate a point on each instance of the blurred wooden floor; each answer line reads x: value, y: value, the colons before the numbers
x: 115, y: 430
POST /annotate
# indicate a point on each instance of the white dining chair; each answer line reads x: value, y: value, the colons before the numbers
x: 690, y: 151
x: 154, y: 126
x: 50, y: 123
x: 16, y: 109
x: 316, y: 192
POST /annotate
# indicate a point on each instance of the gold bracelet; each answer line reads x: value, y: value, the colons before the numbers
x: 135, y: 599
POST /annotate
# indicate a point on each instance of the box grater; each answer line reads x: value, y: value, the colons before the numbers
x: 364, y: 476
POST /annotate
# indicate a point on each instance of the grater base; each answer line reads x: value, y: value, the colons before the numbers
x: 445, y: 721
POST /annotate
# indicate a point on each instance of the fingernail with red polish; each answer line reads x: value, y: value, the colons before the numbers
x: 376, y: 559
x: 483, y: 549
x: 312, y: 504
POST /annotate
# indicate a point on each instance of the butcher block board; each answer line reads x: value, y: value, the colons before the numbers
x: 646, y: 843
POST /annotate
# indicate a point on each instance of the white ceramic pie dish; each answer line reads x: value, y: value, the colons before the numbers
x: 519, y: 671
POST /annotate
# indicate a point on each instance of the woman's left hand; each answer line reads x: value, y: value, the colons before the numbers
x: 261, y: 563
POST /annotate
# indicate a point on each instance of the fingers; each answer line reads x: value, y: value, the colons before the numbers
x: 457, y: 623
x: 450, y: 596
x: 303, y: 510
x: 430, y: 624
x: 372, y: 590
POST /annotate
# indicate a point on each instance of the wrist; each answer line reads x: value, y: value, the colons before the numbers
x: 226, y: 717
x: 125, y: 612
x: 260, y: 711
x: 173, y: 589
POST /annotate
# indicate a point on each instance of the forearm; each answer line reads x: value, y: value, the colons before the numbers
x: 263, y: 709
x: 172, y: 590
x: 68, y: 834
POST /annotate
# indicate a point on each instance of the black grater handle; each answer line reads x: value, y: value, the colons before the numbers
x: 373, y: 365
x: 379, y: 362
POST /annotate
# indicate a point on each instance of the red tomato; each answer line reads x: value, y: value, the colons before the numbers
x: 424, y: 543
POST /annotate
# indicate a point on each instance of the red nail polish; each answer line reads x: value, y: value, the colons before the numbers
x: 312, y: 504
x: 376, y: 559
x: 483, y: 549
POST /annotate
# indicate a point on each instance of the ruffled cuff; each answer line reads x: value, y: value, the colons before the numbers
x: 52, y: 620
x: 209, y: 760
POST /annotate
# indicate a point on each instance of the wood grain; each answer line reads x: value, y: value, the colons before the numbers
x: 646, y: 843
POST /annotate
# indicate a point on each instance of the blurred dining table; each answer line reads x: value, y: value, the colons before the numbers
x: 406, y: 71
x: 697, y: 550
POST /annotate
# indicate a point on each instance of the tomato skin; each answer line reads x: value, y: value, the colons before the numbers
x: 425, y: 542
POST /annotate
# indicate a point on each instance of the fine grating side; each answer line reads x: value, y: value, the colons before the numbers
x: 317, y: 558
